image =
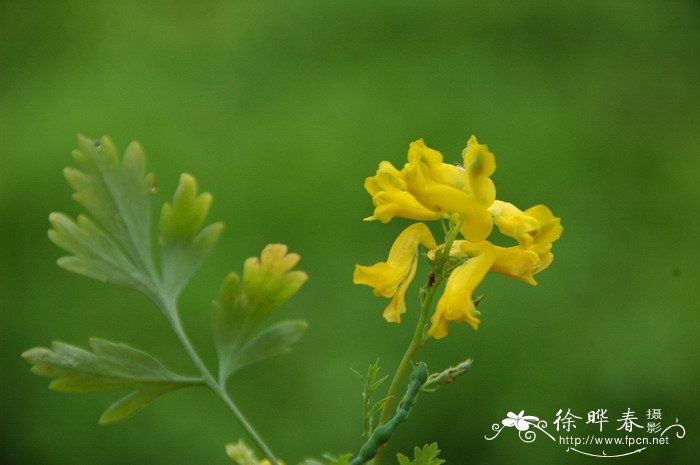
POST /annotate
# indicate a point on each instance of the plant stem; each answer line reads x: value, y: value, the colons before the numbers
x: 402, y: 370
x: 419, y: 337
x: 383, y: 433
x: 169, y: 308
x: 411, y: 350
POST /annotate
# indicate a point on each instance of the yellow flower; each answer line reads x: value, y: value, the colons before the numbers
x: 428, y: 189
x: 391, y: 278
x: 479, y: 165
x: 511, y: 261
x: 444, y: 189
x: 456, y: 303
x: 517, y: 263
x: 389, y: 195
x: 535, y: 229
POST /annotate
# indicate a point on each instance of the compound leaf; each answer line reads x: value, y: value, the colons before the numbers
x: 115, y: 245
x: 110, y: 365
x: 116, y: 193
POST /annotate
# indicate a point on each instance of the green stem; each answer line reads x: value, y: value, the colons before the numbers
x: 405, y: 364
x: 416, y: 343
x: 383, y: 433
x: 419, y: 336
x: 170, y: 310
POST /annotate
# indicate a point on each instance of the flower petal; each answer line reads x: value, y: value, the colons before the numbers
x: 513, y: 222
x: 391, y: 278
x: 388, y: 190
x: 535, y: 229
x: 480, y: 164
x: 397, y: 306
x: 517, y: 263
x: 550, y: 228
x: 456, y: 302
x: 436, y: 186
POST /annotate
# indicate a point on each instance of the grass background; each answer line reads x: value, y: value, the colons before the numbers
x: 281, y: 109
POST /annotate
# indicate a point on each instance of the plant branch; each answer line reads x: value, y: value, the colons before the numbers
x: 447, y: 376
x: 169, y: 308
x: 384, y: 432
x: 419, y: 339
x: 416, y: 343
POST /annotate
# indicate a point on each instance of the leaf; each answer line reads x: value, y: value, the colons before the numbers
x: 244, y: 304
x: 370, y: 384
x: 379, y: 405
x: 268, y: 280
x: 274, y: 340
x: 109, y: 366
x: 233, y: 323
x: 428, y: 455
x: 131, y: 404
x: 115, y: 245
x: 117, y: 194
x: 184, y: 244
x: 95, y: 255
x: 229, y: 317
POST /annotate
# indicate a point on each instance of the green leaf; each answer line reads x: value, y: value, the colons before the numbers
x: 244, y: 304
x: 117, y: 195
x: 370, y: 383
x: 379, y: 405
x: 428, y: 455
x: 95, y: 254
x: 230, y: 319
x: 274, y: 340
x: 184, y: 244
x: 109, y: 366
x: 115, y: 244
x: 131, y: 404
x: 268, y: 281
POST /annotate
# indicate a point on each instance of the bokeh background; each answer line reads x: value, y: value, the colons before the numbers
x: 281, y: 109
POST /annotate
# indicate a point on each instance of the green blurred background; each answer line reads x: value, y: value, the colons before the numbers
x: 281, y: 109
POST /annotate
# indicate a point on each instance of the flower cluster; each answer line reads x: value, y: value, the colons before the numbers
x: 427, y: 189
